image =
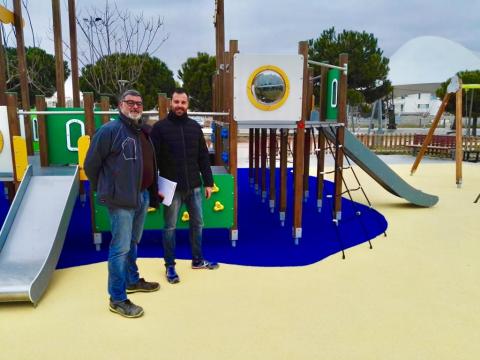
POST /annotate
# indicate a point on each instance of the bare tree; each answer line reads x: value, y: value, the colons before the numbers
x: 110, y: 31
x: 34, y: 68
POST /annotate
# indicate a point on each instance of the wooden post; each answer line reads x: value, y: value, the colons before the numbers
x: 298, y: 164
x: 218, y: 146
x: 306, y: 163
x: 162, y: 106
x: 42, y: 129
x: 233, y: 141
x: 308, y: 140
x: 458, y: 135
x: 283, y: 174
x: 257, y: 158
x: 219, y: 40
x: 14, y: 128
x: 221, y: 75
x: 322, y: 107
x: 72, y: 21
x: 294, y: 146
x: 225, y: 74
x: 105, y: 106
x: 3, y: 69
x: 22, y: 72
x: 340, y: 136
x: 214, y: 109
x: 250, y: 156
x: 429, y: 137
x: 57, y: 39
x: 263, y: 163
x: 273, y: 161
x: 88, y: 104
x: 322, y: 110
x: 320, y: 169
x: 89, y: 116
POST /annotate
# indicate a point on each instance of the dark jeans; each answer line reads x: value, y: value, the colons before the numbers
x: 193, y: 201
x: 127, y: 228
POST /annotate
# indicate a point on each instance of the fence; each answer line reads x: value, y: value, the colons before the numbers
x: 402, y: 143
x: 387, y: 143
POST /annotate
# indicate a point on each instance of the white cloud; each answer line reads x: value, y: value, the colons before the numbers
x: 277, y: 26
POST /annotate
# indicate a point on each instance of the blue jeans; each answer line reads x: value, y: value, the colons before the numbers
x: 193, y: 201
x: 127, y: 228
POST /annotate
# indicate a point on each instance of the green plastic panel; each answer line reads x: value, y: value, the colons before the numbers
x: 211, y: 219
x: 58, y: 152
x: 333, y: 80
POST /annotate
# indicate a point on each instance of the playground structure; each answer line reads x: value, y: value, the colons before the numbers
x: 455, y: 87
x: 259, y: 93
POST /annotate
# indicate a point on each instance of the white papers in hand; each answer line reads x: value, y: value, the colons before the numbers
x: 167, y: 189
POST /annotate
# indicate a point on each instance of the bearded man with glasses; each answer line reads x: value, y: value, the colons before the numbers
x: 121, y: 167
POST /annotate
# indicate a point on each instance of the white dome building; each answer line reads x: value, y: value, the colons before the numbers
x: 430, y: 59
x: 419, y: 67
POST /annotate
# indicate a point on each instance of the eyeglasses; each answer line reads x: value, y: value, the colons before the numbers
x: 131, y: 103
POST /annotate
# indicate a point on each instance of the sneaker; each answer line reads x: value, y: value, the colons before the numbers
x: 126, y: 308
x: 204, y: 264
x: 143, y: 286
x: 172, y: 276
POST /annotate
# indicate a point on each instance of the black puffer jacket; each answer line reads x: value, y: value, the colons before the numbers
x: 114, y: 165
x: 181, y: 152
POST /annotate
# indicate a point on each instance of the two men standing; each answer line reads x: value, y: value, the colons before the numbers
x: 121, y: 165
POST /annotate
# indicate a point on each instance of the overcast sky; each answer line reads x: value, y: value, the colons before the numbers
x: 276, y: 26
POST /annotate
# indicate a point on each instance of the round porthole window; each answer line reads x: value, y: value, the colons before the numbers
x: 268, y: 87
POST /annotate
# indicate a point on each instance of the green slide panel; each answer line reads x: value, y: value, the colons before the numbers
x: 333, y: 80
x: 63, y: 132
x: 212, y: 219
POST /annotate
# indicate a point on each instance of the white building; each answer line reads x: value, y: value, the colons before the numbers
x: 52, y: 101
x: 420, y: 103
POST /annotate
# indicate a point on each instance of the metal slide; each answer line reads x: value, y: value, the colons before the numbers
x: 381, y: 172
x: 33, y: 233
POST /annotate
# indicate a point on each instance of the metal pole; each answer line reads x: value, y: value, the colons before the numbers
x: 110, y: 112
x: 344, y: 68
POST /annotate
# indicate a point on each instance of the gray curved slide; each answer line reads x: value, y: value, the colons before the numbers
x: 33, y: 233
x: 381, y: 172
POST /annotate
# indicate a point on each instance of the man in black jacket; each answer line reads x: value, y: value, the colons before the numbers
x: 182, y: 156
x: 121, y: 167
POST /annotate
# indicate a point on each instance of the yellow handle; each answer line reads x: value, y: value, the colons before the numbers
x: 83, y: 145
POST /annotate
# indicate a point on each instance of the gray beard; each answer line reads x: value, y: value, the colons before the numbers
x: 135, y: 118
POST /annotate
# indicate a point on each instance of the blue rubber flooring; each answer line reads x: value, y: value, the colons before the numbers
x: 262, y: 240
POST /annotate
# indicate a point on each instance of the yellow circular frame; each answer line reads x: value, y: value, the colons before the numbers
x: 252, y: 98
